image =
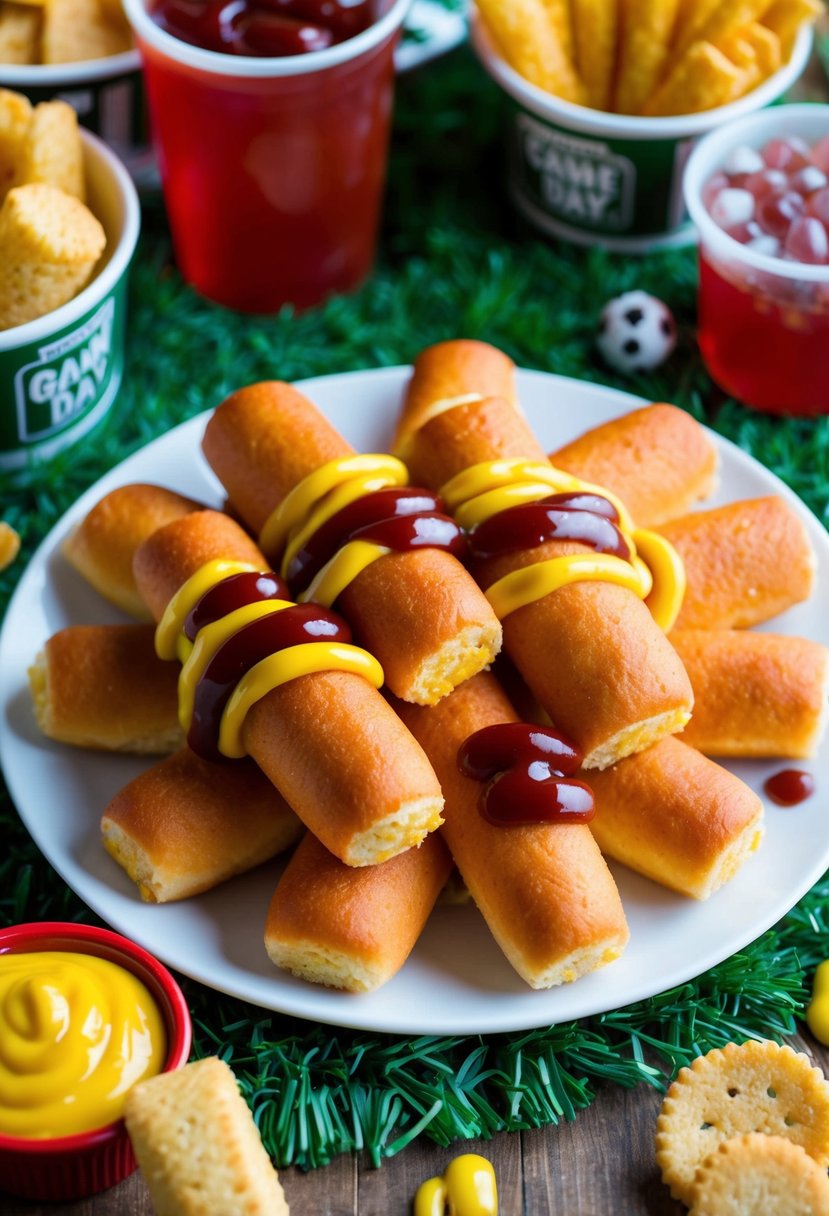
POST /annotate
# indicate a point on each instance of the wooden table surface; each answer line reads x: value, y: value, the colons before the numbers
x: 600, y: 1164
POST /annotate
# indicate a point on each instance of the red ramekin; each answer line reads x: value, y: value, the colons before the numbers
x: 73, y: 1167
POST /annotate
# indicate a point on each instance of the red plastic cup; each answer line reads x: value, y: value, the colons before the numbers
x: 763, y: 321
x: 60, y: 1168
x: 272, y: 169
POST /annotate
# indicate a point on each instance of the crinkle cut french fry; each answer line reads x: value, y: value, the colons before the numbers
x: 691, y: 17
x: 525, y: 34
x: 742, y: 54
x: 725, y: 17
x: 703, y: 78
x: 559, y: 14
x: 645, y: 32
x: 767, y: 46
x: 595, y: 26
x: 785, y: 17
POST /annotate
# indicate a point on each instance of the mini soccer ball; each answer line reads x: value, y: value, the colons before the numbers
x: 637, y: 332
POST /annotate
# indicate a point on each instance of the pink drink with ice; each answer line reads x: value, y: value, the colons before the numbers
x: 764, y: 331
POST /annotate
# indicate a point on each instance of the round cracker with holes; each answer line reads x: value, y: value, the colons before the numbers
x: 755, y: 1175
x: 755, y: 1087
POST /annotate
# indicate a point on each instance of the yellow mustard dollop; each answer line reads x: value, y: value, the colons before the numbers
x: 76, y: 1033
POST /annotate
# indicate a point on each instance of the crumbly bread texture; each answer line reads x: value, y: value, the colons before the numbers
x: 20, y: 26
x: 185, y: 825
x: 349, y: 928
x: 103, y: 687
x: 49, y: 245
x: 15, y: 116
x: 198, y: 1147
x: 76, y: 30
x: 102, y: 547
x: 755, y: 694
x: 51, y: 151
x: 753, y: 1087
x: 757, y: 1175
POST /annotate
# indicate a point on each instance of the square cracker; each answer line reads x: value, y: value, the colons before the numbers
x: 198, y: 1146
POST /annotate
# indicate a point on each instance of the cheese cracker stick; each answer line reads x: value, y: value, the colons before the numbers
x: 676, y: 817
x: 523, y: 31
x: 701, y: 80
x: 744, y: 563
x: 645, y: 33
x: 755, y: 694
x: 543, y: 889
x: 657, y: 459
x: 559, y: 14
x: 328, y: 740
x: 594, y: 32
x: 352, y: 929
x: 186, y: 825
x: 785, y: 17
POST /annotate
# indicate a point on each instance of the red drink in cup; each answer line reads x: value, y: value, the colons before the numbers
x: 755, y: 190
x: 273, y: 167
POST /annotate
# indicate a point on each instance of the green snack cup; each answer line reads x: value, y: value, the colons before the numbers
x: 60, y: 373
x: 108, y: 97
x: 596, y: 178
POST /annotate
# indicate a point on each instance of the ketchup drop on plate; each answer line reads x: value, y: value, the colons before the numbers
x: 790, y: 786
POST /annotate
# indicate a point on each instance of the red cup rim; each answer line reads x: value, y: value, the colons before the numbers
x: 66, y: 935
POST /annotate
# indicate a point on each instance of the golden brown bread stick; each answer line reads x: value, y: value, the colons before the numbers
x: 676, y: 817
x: 657, y: 459
x: 446, y: 372
x: 744, y: 562
x: 102, y: 686
x: 352, y: 928
x: 185, y: 825
x: 329, y: 741
x: 102, y: 546
x: 543, y: 889
x: 755, y: 694
x: 419, y: 612
x: 590, y: 652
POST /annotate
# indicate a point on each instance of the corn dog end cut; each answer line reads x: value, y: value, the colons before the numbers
x: 707, y: 825
x: 186, y: 825
x: 102, y: 546
x: 352, y: 929
x: 755, y: 694
x: 198, y: 1147
x: 102, y: 687
x: 658, y: 460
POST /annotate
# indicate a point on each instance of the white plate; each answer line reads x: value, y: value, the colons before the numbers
x: 456, y: 981
x: 440, y: 29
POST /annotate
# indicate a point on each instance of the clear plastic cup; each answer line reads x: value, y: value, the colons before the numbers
x: 272, y: 169
x: 763, y: 322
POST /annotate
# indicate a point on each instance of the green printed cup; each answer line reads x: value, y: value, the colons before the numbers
x: 59, y: 374
x: 595, y: 178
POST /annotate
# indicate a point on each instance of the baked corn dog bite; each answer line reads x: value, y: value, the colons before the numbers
x: 327, y: 739
x: 445, y: 374
x: 416, y: 608
x: 676, y: 817
x: 657, y: 459
x: 590, y: 651
x: 103, y: 687
x: 755, y: 694
x: 186, y: 825
x: 102, y: 546
x: 744, y: 563
x: 543, y: 889
x: 347, y: 928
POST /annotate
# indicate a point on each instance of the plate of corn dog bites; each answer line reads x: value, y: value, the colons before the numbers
x: 416, y: 800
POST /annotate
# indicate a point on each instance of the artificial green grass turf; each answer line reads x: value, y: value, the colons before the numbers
x: 451, y: 264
